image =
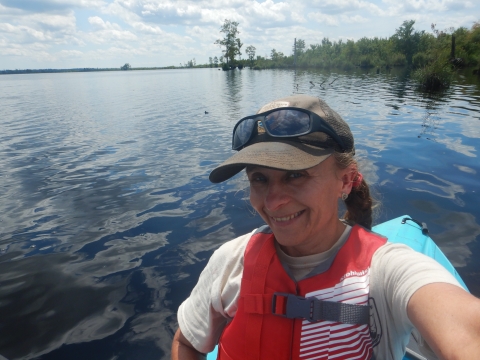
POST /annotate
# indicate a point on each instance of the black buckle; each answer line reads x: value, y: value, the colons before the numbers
x: 419, y: 223
x: 296, y: 307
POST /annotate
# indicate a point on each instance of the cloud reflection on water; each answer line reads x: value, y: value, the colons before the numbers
x: 111, y: 188
x: 462, y: 229
x: 452, y: 231
x: 465, y: 169
x: 428, y: 183
x: 62, y: 307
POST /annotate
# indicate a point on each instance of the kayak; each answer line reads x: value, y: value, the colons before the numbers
x: 408, y: 231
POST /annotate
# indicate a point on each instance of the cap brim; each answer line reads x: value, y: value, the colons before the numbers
x: 284, y: 155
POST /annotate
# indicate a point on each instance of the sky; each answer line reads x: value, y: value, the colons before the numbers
x: 62, y: 34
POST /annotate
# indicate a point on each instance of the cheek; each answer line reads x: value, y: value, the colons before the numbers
x: 319, y: 196
x: 256, y: 200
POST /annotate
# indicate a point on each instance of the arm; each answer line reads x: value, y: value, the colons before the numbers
x: 183, y: 349
x: 448, y: 318
x: 203, y: 316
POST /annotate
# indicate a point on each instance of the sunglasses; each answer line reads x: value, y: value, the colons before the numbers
x: 286, y: 122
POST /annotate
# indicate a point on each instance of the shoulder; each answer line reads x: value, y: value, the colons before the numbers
x: 232, y: 250
x: 223, y: 273
x: 397, y: 272
x: 401, y: 271
x: 402, y: 258
x: 213, y: 300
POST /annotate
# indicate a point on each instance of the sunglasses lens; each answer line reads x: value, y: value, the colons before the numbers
x: 287, y: 123
x: 243, y: 132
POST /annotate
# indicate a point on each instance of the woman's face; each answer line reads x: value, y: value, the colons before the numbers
x: 301, y: 207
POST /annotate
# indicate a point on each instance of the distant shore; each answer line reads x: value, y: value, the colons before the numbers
x: 40, y: 71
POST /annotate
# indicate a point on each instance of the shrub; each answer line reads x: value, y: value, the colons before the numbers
x: 420, y: 60
x: 398, y: 59
x: 434, y: 76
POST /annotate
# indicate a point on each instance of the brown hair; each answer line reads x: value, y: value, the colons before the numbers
x: 359, y: 202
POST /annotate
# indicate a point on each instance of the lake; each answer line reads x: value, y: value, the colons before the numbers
x: 108, y: 217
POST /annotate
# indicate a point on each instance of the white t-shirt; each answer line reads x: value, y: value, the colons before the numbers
x: 396, y: 273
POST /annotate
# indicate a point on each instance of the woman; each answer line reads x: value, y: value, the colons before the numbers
x: 309, y: 285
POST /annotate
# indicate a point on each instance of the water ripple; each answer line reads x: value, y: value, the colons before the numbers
x: 108, y: 216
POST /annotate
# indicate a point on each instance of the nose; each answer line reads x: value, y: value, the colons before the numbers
x: 276, y: 196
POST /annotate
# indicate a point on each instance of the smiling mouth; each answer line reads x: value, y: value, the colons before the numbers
x: 287, y: 218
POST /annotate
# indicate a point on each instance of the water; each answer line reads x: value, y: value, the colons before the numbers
x: 108, y: 217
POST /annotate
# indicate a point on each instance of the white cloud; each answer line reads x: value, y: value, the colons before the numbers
x: 436, y: 5
x: 23, y: 33
x: 298, y: 17
x: 144, y: 28
x: 41, y: 6
x: 324, y: 18
x: 116, y: 9
x: 55, y: 22
x: 218, y: 16
x: 99, y: 24
x: 105, y: 31
x: 8, y: 28
x: 109, y: 35
x: 31, y: 28
x: 163, y: 12
x: 356, y: 19
x: 341, y: 6
x: 75, y: 54
x: 199, y: 32
x: 267, y: 12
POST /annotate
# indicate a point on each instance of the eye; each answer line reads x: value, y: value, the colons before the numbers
x: 294, y: 175
x: 257, y: 178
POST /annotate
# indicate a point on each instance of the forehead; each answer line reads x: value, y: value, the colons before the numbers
x: 328, y: 163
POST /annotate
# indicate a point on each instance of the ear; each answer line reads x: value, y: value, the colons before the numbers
x: 347, y: 176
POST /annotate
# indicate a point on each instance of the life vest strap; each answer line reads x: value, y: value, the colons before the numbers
x: 257, y: 286
x: 258, y: 303
x: 312, y: 309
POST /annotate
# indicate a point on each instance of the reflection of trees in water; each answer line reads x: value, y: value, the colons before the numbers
x: 430, y: 120
x: 295, y: 82
x: 399, y: 84
x: 233, y: 81
x: 305, y: 81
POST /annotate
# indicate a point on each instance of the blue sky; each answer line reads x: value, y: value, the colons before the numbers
x: 108, y: 33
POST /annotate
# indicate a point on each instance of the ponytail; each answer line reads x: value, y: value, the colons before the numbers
x: 359, y: 202
x: 359, y: 206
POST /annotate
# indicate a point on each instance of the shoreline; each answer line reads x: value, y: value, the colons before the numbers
x: 42, y: 71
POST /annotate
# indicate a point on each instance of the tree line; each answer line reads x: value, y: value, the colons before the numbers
x: 434, y: 55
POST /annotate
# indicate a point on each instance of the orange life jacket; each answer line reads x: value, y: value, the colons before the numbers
x: 258, y: 332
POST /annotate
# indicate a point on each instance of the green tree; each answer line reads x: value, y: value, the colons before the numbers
x: 250, y: 50
x: 350, y: 50
x: 125, y: 67
x: 276, y: 56
x: 407, y: 40
x: 215, y: 61
x: 299, y: 46
x: 210, y: 60
x: 230, y: 42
